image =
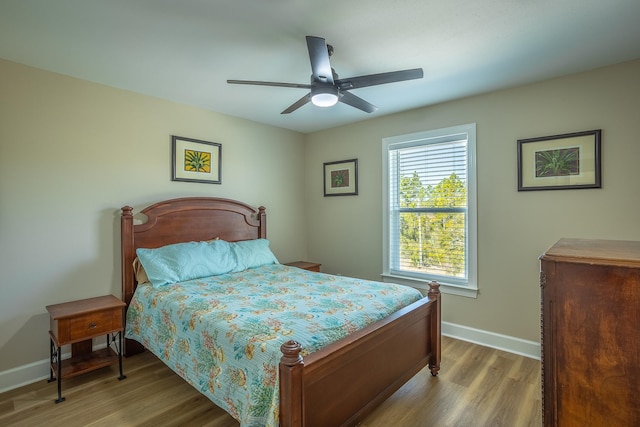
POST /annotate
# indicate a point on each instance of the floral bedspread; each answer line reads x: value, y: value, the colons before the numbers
x: 222, y: 334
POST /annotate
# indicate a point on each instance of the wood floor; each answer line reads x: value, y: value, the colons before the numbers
x: 477, y: 386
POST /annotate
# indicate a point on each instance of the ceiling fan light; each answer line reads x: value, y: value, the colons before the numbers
x: 324, y: 96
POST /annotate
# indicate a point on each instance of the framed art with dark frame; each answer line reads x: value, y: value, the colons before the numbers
x: 341, y: 178
x: 560, y: 162
x: 194, y: 160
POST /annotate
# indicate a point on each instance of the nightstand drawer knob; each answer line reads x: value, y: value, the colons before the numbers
x: 92, y: 325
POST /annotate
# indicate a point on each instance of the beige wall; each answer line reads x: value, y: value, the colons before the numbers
x: 345, y: 233
x: 73, y: 152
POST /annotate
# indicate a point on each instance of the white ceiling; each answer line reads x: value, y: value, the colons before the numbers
x: 185, y: 50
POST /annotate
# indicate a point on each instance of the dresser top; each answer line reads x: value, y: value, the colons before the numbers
x: 592, y: 251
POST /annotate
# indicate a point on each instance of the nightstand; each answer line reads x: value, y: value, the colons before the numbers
x: 310, y: 266
x: 77, y: 323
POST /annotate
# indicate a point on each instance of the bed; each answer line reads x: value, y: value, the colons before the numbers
x: 337, y: 384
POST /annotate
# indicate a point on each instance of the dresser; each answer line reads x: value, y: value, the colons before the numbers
x: 591, y: 333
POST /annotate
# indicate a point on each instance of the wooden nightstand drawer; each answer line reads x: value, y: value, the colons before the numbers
x: 91, y: 324
x: 80, y: 320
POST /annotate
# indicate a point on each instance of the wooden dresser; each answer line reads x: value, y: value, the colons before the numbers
x: 591, y: 333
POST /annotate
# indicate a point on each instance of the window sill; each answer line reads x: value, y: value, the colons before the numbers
x: 423, y: 286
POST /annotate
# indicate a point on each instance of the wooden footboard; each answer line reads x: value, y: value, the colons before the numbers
x: 340, y: 384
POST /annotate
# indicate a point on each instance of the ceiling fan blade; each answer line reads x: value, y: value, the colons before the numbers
x: 319, y: 57
x: 379, y: 79
x: 299, y: 103
x: 259, y: 83
x: 357, y: 102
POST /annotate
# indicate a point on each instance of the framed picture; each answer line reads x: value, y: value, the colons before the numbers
x: 195, y: 161
x: 341, y: 178
x: 560, y: 162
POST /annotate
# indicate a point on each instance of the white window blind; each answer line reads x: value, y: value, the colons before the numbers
x: 430, y: 206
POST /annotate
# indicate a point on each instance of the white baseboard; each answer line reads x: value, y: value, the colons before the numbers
x: 39, y: 371
x: 31, y: 373
x: 23, y: 375
x: 507, y: 343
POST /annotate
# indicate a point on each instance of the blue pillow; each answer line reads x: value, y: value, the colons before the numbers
x: 186, y: 261
x: 252, y: 253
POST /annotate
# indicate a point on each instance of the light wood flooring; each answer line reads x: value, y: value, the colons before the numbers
x: 477, y: 386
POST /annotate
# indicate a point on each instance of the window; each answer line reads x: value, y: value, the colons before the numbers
x: 429, y: 216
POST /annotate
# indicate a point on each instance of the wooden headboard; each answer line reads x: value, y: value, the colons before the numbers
x: 189, y: 219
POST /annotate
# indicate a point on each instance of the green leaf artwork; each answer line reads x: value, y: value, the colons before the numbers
x: 197, y: 161
x: 561, y: 162
x: 340, y: 178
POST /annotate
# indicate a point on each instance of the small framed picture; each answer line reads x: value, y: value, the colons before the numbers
x: 194, y: 160
x: 341, y: 178
x: 560, y: 162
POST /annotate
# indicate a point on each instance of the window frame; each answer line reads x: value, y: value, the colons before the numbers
x: 420, y: 281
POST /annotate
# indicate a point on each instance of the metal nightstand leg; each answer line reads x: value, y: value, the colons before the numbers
x: 119, y: 351
x: 55, y: 357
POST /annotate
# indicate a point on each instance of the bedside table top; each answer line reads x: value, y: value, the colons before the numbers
x: 73, y: 308
x: 303, y: 264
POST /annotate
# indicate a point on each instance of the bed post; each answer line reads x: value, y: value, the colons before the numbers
x: 436, y: 318
x: 126, y: 234
x: 262, y: 220
x: 127, y: 255
x: 291, y: 398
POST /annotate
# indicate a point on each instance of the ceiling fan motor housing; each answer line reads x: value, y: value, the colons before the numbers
x: 324, y: 95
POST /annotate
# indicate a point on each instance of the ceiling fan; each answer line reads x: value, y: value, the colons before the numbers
x: 326, y: 89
